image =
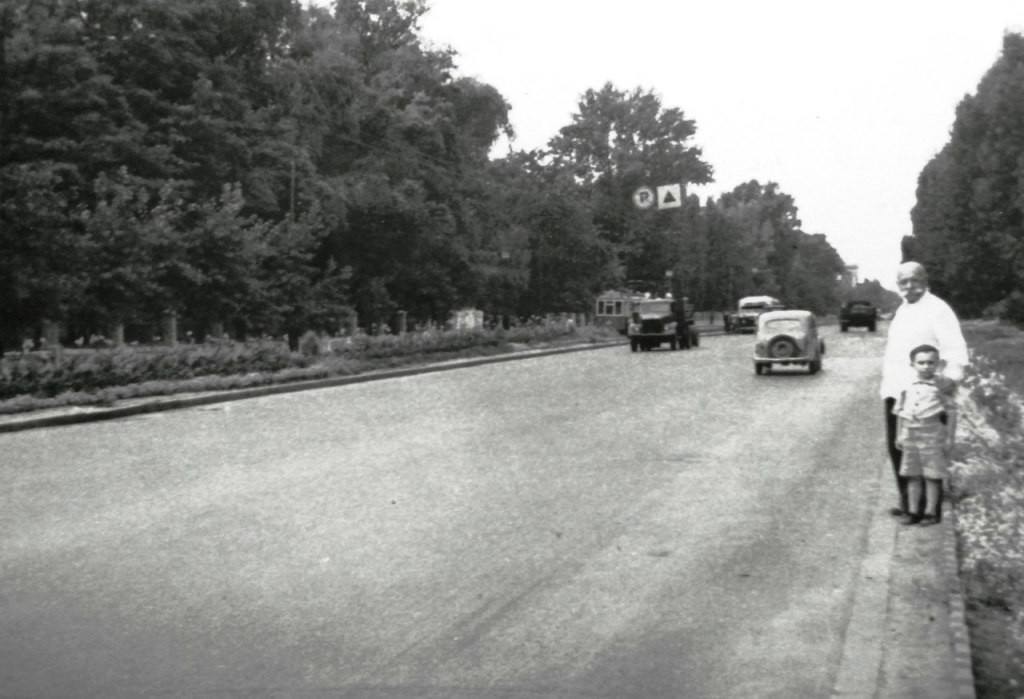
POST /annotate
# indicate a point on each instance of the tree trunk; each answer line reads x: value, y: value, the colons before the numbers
x: 51, y: 339
x: 170, y: 328
x: 117, y: 334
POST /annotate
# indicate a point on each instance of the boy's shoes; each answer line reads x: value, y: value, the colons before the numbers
x: 896, y: 512
x: 911, y: 518
x: 928, y: 520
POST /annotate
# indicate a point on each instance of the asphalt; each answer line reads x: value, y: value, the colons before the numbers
x: 907, y: 634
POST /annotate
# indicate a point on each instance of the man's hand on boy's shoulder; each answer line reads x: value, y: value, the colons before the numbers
x: 946, y: 385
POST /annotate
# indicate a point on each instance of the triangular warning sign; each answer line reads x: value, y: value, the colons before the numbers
x: 670, y: 196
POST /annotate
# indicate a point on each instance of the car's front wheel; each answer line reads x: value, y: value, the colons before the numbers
x: 633, y: 345
x: 815, y: 366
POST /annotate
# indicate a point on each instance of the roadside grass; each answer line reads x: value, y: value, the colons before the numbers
x: 988, y: 491
x: 1003, y: 345
x: 105, y: 376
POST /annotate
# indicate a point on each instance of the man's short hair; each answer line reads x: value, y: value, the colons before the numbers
x: 923, y: 348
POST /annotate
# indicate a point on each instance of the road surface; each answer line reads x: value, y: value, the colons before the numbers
x: 595, y: 524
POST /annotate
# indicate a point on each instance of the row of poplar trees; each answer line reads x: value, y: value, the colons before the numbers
x: 263, y: 168
x: 968, y: 222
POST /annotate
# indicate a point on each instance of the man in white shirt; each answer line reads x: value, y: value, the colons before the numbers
x: 922, y: 319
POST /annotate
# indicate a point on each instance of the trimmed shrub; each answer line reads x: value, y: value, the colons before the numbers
x: 91, y: 375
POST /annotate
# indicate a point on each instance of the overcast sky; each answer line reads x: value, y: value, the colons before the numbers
x: 841, y: 104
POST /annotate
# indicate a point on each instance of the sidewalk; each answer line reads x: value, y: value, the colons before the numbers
x: 907, y: 636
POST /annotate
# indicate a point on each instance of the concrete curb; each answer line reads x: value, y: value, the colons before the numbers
x: 862, y: 660
x: 860, y: 664
x: 963, y: 672
x: 158, y: 403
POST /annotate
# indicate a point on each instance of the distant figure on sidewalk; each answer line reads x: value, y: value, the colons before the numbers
x: 925, y: 427
x: 922, y: 319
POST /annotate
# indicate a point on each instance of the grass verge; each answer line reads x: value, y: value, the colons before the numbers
x: 988, y: 491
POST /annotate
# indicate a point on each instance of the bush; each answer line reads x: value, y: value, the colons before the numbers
x: 988, y: 487
x: 1014, y: 308
x: 91, y: 376
x: 309, y: 344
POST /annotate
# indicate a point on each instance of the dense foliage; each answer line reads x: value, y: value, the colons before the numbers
x: 34, y: 380
x: 258, y: 167
x: 969, y: 216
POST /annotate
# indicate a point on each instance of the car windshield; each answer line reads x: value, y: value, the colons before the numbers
x: 784, y: 325
x: 753, y: 306
x: 654, y: 308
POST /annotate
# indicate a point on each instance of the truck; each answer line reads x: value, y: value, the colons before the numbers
x: 744, y: 318
x: 862, y: 314
x: 657, y: 321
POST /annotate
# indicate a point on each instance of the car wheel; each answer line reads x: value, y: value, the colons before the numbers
x: 633, y: 345
x: 815, y: 366
x: 758, y: 368
x: 673, y: 344
x: 844, y: 327
x: 821, y: 346
x: 694, y: 339
x: 871, y: 327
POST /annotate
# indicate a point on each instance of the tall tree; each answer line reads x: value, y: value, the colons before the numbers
x: 765, y: 251
x: 617, y: 142
x: 969, y: 216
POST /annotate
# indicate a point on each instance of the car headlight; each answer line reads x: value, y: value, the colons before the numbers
x: 633, y: 328
x: 670, y: 327
x: 760, y: 349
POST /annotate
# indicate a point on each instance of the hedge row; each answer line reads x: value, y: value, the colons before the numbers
x: 43, y: 375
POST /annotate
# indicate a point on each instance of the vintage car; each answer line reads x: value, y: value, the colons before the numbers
x: 858, y: 314
x: 787, y: 338
x: 657, y: 321
x: 744, y: 318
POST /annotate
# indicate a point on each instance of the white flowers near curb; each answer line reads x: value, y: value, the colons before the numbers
x: 988, y: 477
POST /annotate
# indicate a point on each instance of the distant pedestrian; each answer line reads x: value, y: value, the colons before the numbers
x: 922, y: 319
x: 925, y: 429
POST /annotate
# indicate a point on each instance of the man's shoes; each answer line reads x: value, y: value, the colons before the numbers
x: 911, y: 518
x: 929, y: 520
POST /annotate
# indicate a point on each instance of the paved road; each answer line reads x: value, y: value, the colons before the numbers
x: 600, y: 524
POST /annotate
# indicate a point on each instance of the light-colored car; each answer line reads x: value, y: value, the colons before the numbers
x: 744, y: 318
x: 787, y: 338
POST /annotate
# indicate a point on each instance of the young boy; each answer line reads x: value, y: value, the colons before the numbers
x: 926, y: 425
